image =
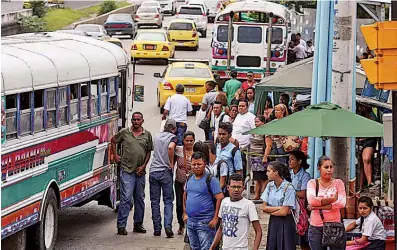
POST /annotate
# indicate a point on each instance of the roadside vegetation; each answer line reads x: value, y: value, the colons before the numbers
x: 54, y: 19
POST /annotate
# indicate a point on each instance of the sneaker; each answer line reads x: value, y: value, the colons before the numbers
x: 169, y: 233
x: 157, y: 233
x: 138, y: 228
x: 122, y: 231
x: 181, y: 230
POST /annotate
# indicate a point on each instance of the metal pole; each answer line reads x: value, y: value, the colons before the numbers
x: 394, y: 124
x: 269, y: 43
x: 229, y: 40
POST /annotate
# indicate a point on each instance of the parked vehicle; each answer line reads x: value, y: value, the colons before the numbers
x: 94, y: 30
x: 148, y: 16
x: 195, y: 13
x: 120, y: 24
x: 184, y: 33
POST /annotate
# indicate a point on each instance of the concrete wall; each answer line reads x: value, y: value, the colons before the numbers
x: 9, y: 22
x: 101, y: 19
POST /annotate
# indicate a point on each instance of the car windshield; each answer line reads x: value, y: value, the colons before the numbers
x: 87, y: 28
x: 190, y: 11
x: 119, y: 18
x: 190, y: 72
x: 150, y: 36
x: 181, y: 26
x: 147, y: 10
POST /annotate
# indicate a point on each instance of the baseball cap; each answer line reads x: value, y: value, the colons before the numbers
x: 170, y: 123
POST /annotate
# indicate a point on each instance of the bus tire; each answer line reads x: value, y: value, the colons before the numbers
x: 43, y: 235
x: 16, y: 241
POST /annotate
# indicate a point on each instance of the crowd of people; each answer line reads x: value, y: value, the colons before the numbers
x: 299, y: 49
x: 210, y: 177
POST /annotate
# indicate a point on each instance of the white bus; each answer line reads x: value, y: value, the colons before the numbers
x: 249, y: 43
x: 61, y: 95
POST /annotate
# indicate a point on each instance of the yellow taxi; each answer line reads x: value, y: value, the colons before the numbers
x: 152, y: 44
x: 192, y: 73
x: 184, y: 33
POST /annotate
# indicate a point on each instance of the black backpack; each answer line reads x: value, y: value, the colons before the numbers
x: 208, y: 181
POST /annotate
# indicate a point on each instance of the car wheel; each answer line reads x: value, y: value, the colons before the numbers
x: 196, y: 48
x: 44, y: 234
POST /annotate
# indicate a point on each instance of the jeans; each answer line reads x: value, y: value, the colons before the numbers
x: 132, y: 191
x: 161, y: 180
x: 315, y: 235
x: 179, y: 189
x: 200, y: 235
x: 181, y: 128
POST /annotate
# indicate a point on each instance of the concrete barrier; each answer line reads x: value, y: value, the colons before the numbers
x: 13, y: 17
x: 102, y: 18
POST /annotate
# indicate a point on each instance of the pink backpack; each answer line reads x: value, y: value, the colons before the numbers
x: 301, y: 217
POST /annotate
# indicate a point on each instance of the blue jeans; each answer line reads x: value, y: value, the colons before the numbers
x: 315, y: 235
x: 200, y: 235
x: 132, y: 192
x: 161, y: 180
x: 181, y: 128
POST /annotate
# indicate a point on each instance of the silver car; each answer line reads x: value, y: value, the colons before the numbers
x: 94, y: 30
x: 148, y: 16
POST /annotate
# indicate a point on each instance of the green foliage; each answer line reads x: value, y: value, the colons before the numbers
x: 32, y: 23
x: 107, y: 6
x: 38, y: 7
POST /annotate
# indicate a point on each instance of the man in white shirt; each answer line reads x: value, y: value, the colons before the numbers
x: 300, y: 51
x: 208, y: 100
x: 217, y: 117
x: 244, y: 122
x: 301, y: 41
x: 178, y: 107
x: 236, y: 214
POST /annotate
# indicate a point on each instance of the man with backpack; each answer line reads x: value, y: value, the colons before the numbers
x: 201, y: 203
x: 227, y: 152
x: 217, y: 117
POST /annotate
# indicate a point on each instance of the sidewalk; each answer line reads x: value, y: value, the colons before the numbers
x: 264, y: 221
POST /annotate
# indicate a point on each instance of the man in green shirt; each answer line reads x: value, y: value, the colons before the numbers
x: 137, y: 145
x: 231, y: 86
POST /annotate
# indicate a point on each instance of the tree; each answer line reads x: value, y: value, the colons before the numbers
x: 38, y: 8
x: 31, y: 23
x: 107, y: 6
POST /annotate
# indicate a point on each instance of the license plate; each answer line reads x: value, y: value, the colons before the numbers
x: 149, y: 47
x: 180, y: 44
x: 119, y: 33
x: 190, y: 90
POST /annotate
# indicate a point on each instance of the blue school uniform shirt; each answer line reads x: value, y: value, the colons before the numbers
x: 199, y: 201
x: 235, y: 164
x: 281, y: 196
x: 300, y: 179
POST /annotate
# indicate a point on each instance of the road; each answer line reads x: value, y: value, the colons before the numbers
x: 94, y: 227
x: 14, y: 6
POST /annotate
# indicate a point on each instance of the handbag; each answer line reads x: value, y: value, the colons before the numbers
x: 205, y: 123
x: 333, y: 232
x: 200, y: 115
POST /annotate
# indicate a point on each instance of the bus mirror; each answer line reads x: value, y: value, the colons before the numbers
x: 157, y: 75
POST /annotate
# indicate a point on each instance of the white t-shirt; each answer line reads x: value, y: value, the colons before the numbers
x: 178, y: 106
x: 242, y: 124
x: 236, y: 219
x: 300, y: 51
x: 216, y: 120
x: 303, y: 43
x: 372, y: 227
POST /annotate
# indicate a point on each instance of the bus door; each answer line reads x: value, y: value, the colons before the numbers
x: 279, y: 47
x: 249, y: 46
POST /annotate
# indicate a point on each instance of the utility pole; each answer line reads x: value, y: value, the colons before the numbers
x: 269, y: 44
x: 342, y: 92
x: 229, y: 41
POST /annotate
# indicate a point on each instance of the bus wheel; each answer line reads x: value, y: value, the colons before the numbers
x: 44, y: 234
x: 16, y: 241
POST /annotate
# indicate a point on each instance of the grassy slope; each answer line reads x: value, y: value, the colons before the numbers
x: 59, y: 18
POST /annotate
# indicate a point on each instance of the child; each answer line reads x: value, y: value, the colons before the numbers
x: 373, y: 233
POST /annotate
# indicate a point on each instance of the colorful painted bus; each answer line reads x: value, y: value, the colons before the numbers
x: 249, y: 43
x: 61, y: 95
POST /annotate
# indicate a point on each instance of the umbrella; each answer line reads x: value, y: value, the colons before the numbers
x: 322, y: 120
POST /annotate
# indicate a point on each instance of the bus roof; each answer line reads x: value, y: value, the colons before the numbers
x: 256, y: 5
x: 45, y: 60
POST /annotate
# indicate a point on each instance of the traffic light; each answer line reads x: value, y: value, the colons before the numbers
x: 381, y: 70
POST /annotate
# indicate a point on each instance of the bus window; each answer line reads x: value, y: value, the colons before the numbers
x: 248, y: 61
x: 277, y: 35
x: 104, y: 96
x: 25, y: 121
x: 51, y: 108
x: 63, y: 106
x: 222, y: 33
x: 85, y: 92
x: 38, y: 110
x: 94, y: 98
x: 11, y: 116
x: 74, y: 102
x: 112, y: 88
x: 249, y: 34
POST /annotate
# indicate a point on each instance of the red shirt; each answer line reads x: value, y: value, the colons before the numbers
x: 245, y: 85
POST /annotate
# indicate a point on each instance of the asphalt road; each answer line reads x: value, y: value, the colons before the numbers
x: 94, y: 227
x: 14, y: 6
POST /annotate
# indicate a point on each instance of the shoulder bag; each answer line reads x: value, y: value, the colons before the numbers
x: 333, y: 232
x: 205, y: 123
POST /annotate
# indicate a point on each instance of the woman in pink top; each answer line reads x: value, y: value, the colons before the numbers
x: 330, y: 199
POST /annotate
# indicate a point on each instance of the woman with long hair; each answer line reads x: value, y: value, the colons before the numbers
x: 251, y: 99
x: 278, y: 201
x: 326, y: 197
x: 267, y: 113
x: 183, y: 169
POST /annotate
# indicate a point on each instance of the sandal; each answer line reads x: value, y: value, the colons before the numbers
x: 181, y: 230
